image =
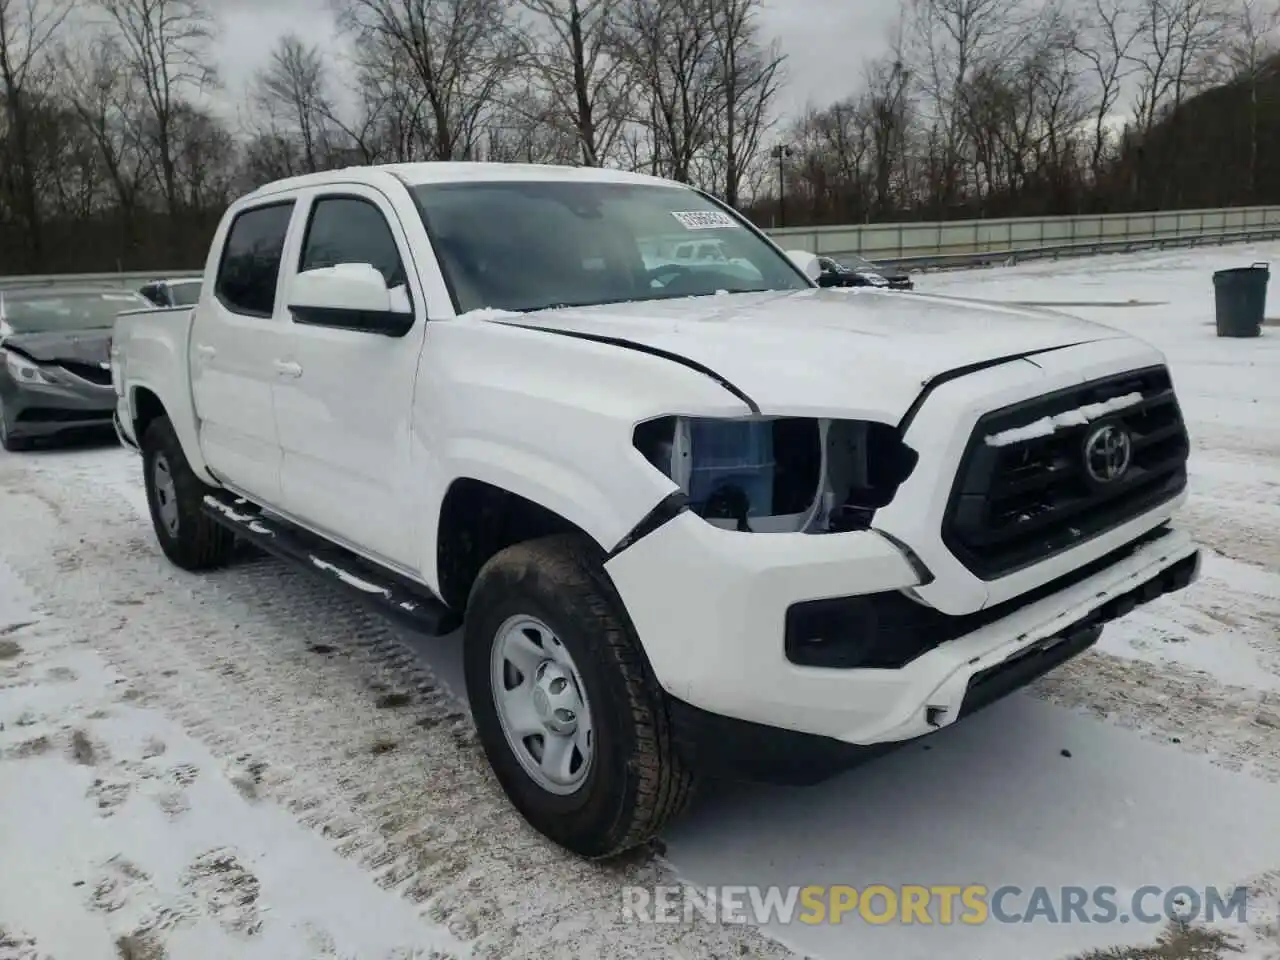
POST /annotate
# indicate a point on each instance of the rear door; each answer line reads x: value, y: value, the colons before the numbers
x: 239, y: 329
x: 344, y: 404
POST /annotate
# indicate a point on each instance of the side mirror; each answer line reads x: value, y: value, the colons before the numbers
x: 350, y: 296
x: 806, y: 261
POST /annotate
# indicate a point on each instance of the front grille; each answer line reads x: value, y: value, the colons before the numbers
x: 1018, y: 503
x: 88, y: 371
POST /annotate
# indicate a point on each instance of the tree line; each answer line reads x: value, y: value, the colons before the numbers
x: 112, y: 157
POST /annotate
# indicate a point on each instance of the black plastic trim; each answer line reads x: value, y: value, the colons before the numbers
x: 934, y: 383
x: 1111, y: 516
x: 383, y: 323
x: 671, y: 507
x: 645, y: 348
x: 902, y: 630
x: 408, y: 603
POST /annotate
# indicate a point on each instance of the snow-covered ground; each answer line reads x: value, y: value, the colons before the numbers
x: 243, y: 765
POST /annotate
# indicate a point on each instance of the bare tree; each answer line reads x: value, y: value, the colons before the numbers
x: 99, y: 89
x: 887, y: 104
x: 573, y: 55
x: 457, y: 55
x: 1250, y: 50
x: 672, y: 47
x: 749, y: 81
x: 1175, y: 53
x: 1104, y: 40
x: 291, y: 88
x: 949, y: 39
x: 166, y: 47
x: 831, y: 172
x: 26, y: 28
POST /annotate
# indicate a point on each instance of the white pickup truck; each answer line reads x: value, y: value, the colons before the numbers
x: 692, y: 520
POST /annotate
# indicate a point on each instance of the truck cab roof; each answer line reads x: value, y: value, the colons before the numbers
x: 425, y: 172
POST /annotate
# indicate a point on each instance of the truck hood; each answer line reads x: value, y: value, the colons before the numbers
x: 69, y: 346
x: 821, y: 352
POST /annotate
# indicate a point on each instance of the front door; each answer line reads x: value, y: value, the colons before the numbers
x: 239, y: 326
x: 345, y: 400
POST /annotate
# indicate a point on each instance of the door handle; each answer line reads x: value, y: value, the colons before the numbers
x: 204, y: 350
x: 287, y: 368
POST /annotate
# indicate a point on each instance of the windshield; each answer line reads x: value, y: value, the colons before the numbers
x: 53, y: 312
x: 530, y: 245
x: 184, y: 293
x: 855, y: 262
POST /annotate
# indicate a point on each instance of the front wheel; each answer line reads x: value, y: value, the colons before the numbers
x: 189, y: 537
x: 567, y: 710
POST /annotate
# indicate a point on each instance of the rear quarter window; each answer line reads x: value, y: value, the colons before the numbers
x: 250, y: 264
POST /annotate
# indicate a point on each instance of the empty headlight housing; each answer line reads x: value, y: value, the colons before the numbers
x: 779, y: 474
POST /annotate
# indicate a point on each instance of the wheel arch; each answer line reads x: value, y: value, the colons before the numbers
x: 479, y: 519
x: 146, y: 404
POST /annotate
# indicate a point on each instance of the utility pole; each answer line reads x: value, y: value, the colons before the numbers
x: 782, y: 152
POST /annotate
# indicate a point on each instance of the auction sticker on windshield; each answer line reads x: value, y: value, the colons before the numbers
x: 704, y: 219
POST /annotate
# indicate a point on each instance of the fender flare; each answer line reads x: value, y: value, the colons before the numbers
x: 569, y: 494
x: 181, y: 413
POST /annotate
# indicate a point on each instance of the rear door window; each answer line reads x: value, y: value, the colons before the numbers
x: 250, y: 267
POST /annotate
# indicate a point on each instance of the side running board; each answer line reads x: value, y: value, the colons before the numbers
x: 410, y: 604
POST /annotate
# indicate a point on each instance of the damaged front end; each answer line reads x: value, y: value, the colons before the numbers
x: 779, y: 474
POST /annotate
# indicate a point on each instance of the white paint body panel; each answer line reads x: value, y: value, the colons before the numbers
x: 854, y: 353
x: 363, y: 440
x: 709, y: 604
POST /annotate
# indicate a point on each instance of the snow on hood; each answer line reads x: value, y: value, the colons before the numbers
x: 823, y: 352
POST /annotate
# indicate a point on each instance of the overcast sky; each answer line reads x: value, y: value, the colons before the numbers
x: 826, y: 41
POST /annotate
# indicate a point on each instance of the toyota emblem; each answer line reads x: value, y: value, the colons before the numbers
x: 1108, y: 451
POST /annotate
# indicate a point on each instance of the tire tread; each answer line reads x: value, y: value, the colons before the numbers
x: 665, y: 785
x: 202, y: 543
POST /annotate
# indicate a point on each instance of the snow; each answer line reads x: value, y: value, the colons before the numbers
x: 1048, y: 426
x: 127, y: 827
x: 227, y: 512
x: 488, y: 313
x: 350, y: 579
x: 321, y: 760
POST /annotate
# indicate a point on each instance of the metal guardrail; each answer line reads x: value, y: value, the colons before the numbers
x: 970, y: 238
x: 961, y: 261
x: 933, y: 246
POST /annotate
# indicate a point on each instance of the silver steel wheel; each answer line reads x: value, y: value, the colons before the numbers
x: 542, y: 704
x: 166, y: 494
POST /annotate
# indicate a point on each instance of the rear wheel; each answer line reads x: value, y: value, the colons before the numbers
x: 189, y: 537
x: 568, y: 712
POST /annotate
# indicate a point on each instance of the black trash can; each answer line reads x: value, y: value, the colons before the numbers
x: 1240, y: 296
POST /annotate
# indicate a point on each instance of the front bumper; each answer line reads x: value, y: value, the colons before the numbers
x: 42, y: 410
x: 709, y: 606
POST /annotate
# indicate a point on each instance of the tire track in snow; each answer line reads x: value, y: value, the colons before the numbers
x: 1237, y: 727
x: 403, y: 790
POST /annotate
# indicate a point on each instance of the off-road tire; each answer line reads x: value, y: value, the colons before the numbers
x: 637, y: 782
x: 199, y: 542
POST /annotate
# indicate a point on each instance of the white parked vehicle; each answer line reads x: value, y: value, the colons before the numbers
x: 690, y: 524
